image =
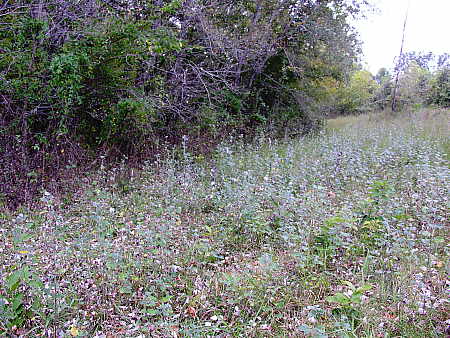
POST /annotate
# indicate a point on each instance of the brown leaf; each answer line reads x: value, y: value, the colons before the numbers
x: 191, y: 311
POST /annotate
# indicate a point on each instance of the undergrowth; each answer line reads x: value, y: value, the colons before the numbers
x: 343, y: 234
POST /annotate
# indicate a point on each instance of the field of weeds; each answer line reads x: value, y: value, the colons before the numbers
x: 343, y: 234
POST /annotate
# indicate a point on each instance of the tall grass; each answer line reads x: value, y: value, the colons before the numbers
x: 340, y: 234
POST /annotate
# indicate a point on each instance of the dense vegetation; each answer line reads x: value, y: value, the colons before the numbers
x: 85, y: 79
x: 245, y: 212
x: 342, y: 234
x: 422, y: 79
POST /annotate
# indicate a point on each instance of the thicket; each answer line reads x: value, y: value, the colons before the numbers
x: 80, y: 80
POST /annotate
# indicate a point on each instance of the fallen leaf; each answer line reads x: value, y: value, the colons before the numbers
x: 74, y: 331
x: 390, y: 315
x: 191, y: 311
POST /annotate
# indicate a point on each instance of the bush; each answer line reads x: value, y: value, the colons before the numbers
x: 77, y: 78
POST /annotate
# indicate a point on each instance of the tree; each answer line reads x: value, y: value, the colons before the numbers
x: 413, y: 85
x: 385, y: 87
x: 358, y: 95
x: 439, y: 92
x: 125, y: 75
x: 383, y: 76
x: 423, y: 79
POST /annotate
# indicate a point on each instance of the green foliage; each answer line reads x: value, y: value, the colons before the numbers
x: 252, y: 228
x: 383, y: 93
x: 351, y: 298
x: 422, y: 79
x: 358, y: 95
x: 26, y: 59
x: 379, y: 193
x: 127, y: 122
x: 171, y: 7
x: 348, y: 302
x: 16, y: 308
x: 325, y: 243
x: 163, y: 41
x: 370, y: 233
x: 413, y: 85
x: 85, y: 82
x: 66, y: 78
x: 79, y: 78
x: 439, y: 92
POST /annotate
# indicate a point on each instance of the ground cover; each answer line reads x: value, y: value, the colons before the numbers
x: 340, y: 234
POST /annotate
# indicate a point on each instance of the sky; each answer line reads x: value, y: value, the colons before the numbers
x: 427, y: 30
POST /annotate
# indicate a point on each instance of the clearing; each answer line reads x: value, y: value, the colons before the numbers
x: 341, y: 234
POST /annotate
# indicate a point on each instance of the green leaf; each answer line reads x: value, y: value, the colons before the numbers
x: 127, y: 289
x: 36, y: 283
x: 13, y: 280
x: 356, y: 298
x: 364, y: 288
x: 152, y: 312
x: 166, y: 299
x: 339, y: 298
x: 17, y: 303
x: 150, y: 300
